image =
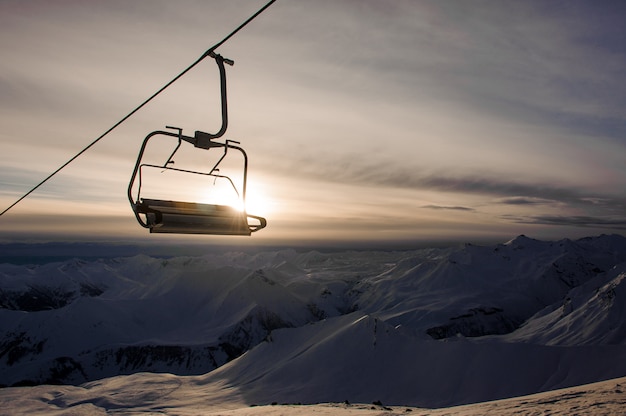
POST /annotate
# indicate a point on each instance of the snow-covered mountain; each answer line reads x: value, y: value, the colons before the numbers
x: 429, y: 327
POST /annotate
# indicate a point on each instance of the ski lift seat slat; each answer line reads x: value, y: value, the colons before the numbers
x: 196, y: 218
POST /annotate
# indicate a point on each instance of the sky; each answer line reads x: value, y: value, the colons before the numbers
x: 364, y: 121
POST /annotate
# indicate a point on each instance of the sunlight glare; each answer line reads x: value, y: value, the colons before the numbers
x: 258, y: 201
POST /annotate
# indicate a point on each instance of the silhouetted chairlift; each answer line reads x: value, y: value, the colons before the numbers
x: 181, y: 217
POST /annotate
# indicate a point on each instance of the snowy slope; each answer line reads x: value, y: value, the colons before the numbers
x: 362, y: 359
x: 431, y: 327
x: 165, y: 394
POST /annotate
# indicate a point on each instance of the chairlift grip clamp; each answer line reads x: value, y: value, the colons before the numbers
x: 219, y: 57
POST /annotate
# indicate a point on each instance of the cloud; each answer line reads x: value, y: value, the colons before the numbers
x: 574, y: 220
x: 520, y: 200
x: 491, y: 188
x: 513, y: 192
x: 453, y: 208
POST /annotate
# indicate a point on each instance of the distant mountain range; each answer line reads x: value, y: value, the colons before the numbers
x: 429, y: 327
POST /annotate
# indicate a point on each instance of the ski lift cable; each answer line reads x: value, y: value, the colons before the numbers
x: 209, y: 53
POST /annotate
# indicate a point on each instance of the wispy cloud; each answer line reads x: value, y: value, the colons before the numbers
x: 451, y: 208
x: 520, y: 200
x: 574, y: 220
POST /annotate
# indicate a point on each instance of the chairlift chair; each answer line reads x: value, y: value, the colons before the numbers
x: 184, y: 217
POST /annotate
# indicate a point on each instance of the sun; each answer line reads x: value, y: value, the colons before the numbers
x: 258, y: 201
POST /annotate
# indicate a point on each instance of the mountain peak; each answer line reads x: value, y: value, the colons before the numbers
x: 520, y: 241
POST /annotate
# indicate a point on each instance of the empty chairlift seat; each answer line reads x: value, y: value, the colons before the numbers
x: 196, y: 218
x: 176, y: 217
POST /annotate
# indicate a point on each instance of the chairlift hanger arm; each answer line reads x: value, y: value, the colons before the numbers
x: 220, y: 64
